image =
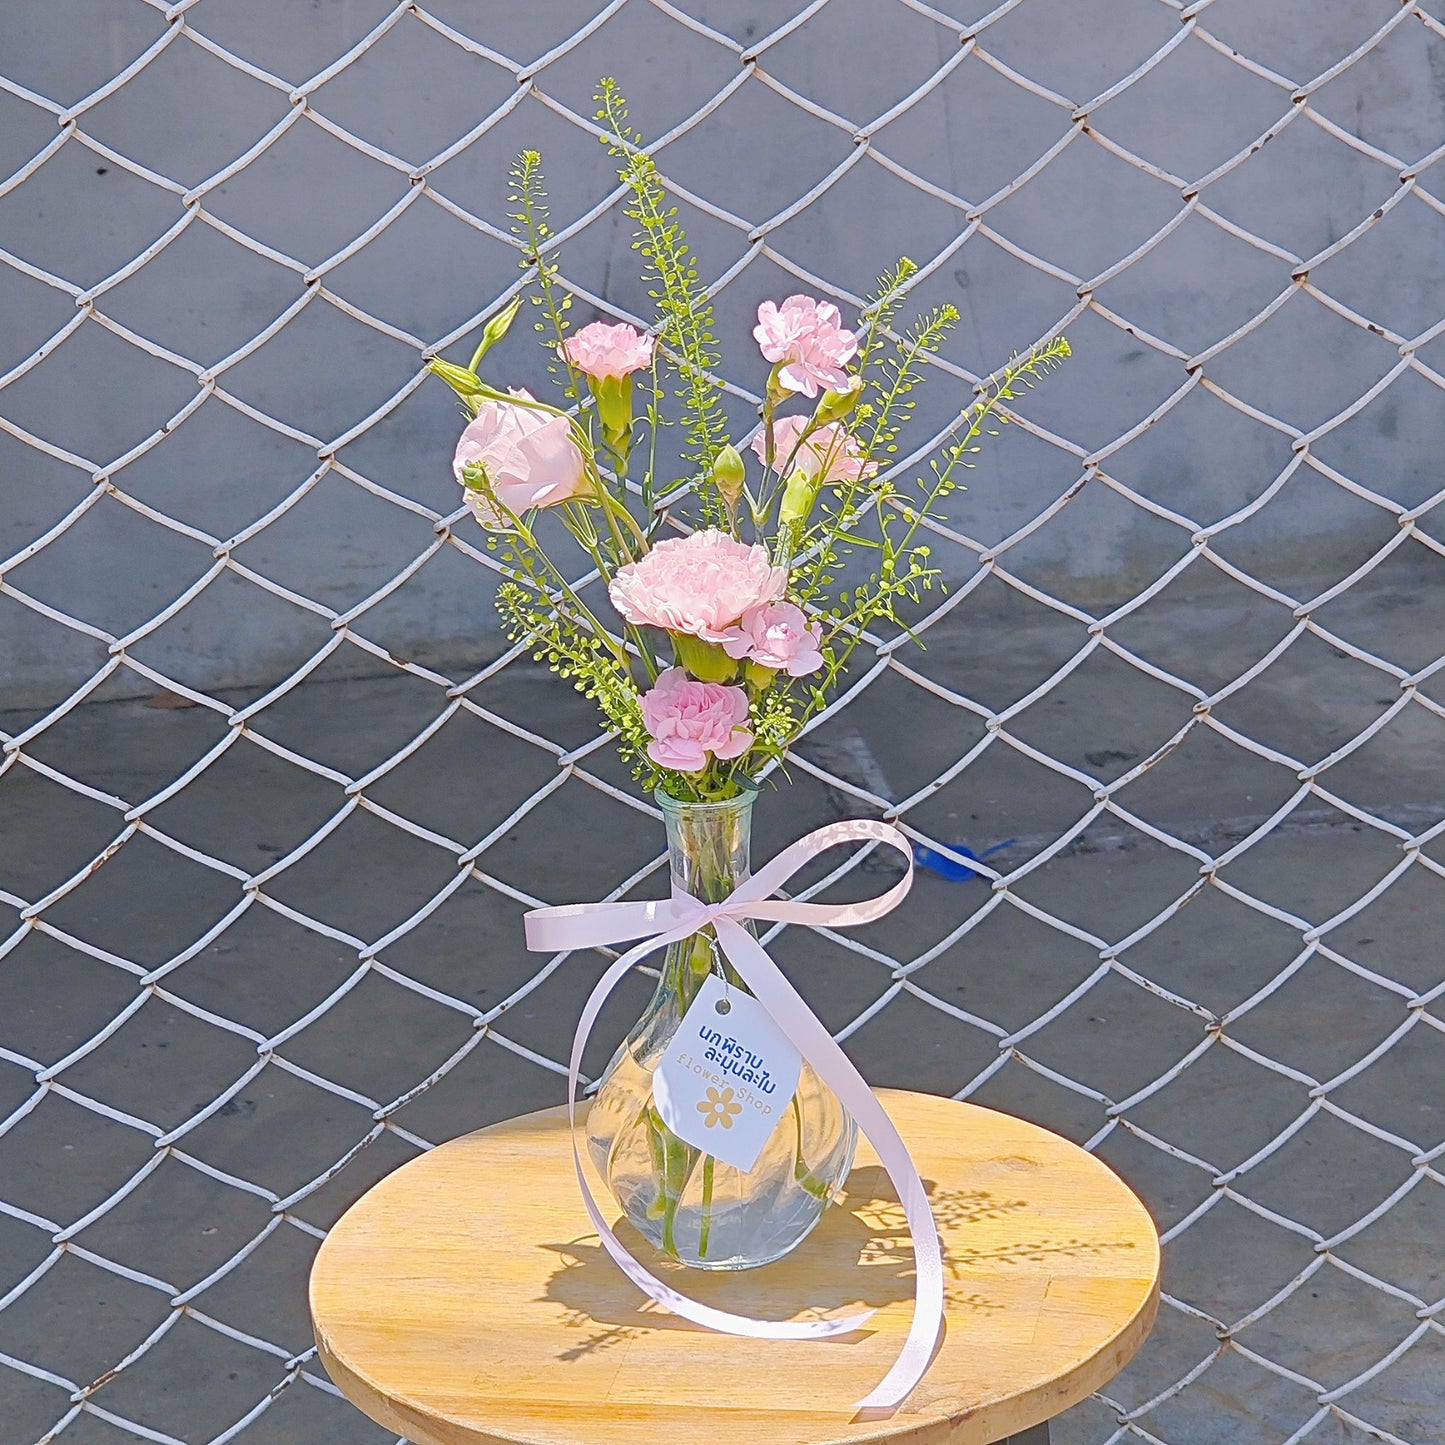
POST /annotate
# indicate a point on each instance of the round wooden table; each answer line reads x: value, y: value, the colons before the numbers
x: 465, y: 1299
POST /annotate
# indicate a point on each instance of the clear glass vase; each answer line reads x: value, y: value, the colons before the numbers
x: 691, y: 1206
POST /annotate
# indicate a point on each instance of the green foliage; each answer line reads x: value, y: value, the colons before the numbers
x: 775, y: 719
x: 530, y: 225
x: 685, y: 316
x: 532, y: 615
x: 898, y: 372
x: 881, y: 308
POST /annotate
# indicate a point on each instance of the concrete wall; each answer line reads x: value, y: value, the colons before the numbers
x: 187, y: 115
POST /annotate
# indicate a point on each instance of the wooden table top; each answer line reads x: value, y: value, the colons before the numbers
x: 464, y: 1299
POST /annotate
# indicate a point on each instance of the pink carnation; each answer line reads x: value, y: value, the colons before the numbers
x: 777, y: 636
x: 829, y: 450
x: 603, y: 351
x: 529, y: 458
x: 688, y: 720
x: 700, y: 584
x: 809, y: 339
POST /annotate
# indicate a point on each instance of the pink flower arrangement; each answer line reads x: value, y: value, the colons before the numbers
x: 808, y: 342
x: 829, y: 451
x: 779, y: 637
x: 705, y: 667
x: 699, y: 585
x: 602, y: 351
x: 528, y: 456
x: 689, y: 720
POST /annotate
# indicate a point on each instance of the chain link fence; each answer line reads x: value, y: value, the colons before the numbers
x: 273, y: 796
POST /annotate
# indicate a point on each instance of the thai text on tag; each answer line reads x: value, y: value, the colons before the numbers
x: 728, y: 1075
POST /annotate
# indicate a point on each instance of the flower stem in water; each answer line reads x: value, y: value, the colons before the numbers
x: 672, y: 1165
x: 706, y: 1229
x: 815, y: 1186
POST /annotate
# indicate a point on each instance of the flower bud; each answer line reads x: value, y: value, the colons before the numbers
x: 798, y: 497
x: 496, y: 329
x: 758, y: 676
x: 777, y: 393
x: 835, y: 405
x: 462, y: 380
x: 728, y: 475
x: 613, y: 395
x: 706, y: 661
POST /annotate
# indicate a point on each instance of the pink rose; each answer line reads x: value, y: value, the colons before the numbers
x: 700, y: 584
x: 529, y: 458
x: 829, y: 451
x: 688, y: 720
x: 809, y: 339
x: 777, y: 636
x: 601, y: 351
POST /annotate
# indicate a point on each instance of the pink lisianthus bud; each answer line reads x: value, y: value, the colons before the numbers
x: 779, y: 637
x: 462, y: 380
x: 699, y: 584
x: 827, y: 454
x: 600, y: 351
x: 807, y: 342
x: 496, y: 329
x: 689, y: 720
x: 526, y: 458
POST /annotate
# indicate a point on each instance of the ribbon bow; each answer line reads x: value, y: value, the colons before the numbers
x: 658, y: 923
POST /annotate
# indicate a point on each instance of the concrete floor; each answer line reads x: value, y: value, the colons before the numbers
x: 283, y: 1129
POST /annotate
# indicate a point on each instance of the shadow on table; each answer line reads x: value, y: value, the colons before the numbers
x: 860, y: 1255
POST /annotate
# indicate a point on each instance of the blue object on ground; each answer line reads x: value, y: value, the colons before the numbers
x: 946, y: 867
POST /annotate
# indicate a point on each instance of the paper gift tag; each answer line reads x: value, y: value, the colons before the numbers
x: 728, y: 1076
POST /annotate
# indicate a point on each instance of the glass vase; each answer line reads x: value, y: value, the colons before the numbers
x: 691, y: 1206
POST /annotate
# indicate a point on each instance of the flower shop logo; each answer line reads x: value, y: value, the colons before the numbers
x: 719, y: 1108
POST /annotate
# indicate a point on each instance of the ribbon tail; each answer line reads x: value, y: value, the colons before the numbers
x: 818, y: 1046
x: 655, y: 1289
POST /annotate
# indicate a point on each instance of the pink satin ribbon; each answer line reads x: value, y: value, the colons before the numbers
x: 586, y: 925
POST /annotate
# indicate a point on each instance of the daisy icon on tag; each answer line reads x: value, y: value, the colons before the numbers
x: 719, y: 1108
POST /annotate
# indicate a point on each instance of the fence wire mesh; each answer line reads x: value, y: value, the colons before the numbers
x: 1321, y: 1180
